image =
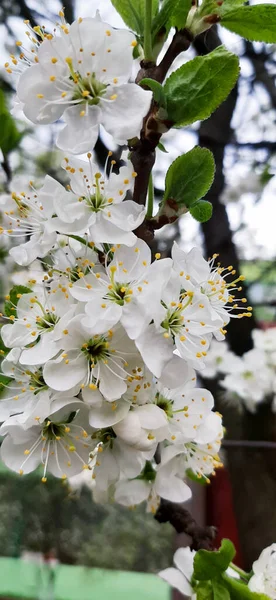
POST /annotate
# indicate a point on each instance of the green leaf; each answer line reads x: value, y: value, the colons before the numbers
x: 256, y: 23
x: 161, y: 147
x: 208, y: 565
x: 173, y: 13
x: 201, y: 210
x: 16, y: 292
x: 10, y: 136
x: 190, y: 176
x: 195, y: 90
x: 157, y: 89
x: 240, y: 591
x: 133, y: 12
x: 220, y: 591
x: 204, y: 590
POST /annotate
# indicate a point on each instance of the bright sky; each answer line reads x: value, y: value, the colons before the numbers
x: 259, y: 217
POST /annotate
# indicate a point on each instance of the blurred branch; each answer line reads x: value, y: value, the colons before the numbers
x: 183, y: 522
x: 258, y: 60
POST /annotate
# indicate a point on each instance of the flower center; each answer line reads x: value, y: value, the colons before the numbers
x: 104, y: 436
x: 87, y: 89
x: 165, y: 404
x: 119, y: 293
x: 248, y: 374
x: 173, y: 321
x: 47, y: 321
x: 96, y: 349
x: 36, y: 381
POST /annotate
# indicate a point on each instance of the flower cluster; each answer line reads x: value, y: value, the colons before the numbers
x: 252, y: 377
x: 102, y: 348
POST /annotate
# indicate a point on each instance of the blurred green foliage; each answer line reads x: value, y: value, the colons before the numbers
x: 49, y: 518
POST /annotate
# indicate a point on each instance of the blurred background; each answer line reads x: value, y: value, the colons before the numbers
x: 60, y: 523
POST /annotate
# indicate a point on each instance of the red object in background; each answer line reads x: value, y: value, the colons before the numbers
x: 220, y: 511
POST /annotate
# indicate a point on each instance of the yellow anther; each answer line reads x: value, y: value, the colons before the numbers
x: 157, y: 255
x: 40, y: 95
x: 52, y: 78
x: 65, y: 331
x: 43, y: 479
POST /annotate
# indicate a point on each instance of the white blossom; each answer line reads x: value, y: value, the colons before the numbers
x: 95, y: 204
x: 181, y: 576
x: 81, y: 73
x: 41, y: 317
x: 29, y: 214
x: 103, y: 361
x: 263, y: 580
x: 59, y: 443
x: 127, y: 292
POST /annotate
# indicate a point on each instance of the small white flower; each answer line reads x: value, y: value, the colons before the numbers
x: 95, y: 205
x: 217, y: 359
x: 249, y: 377
x: 126, y: 292
x: 183, y: 321
x: 59, y: 443
x: 187, y: 409
x: 152, y: 485
x: 181, y: 576
x: 113, y: 459
x: 82, y: 74
x: 143, y: 427
x: 40, y: 319
x: 29, y: 214
x: 201, y: 457
x: 196, y: 273
x: 105, y: 361
x: 264, y: 579
x: 25, y: 391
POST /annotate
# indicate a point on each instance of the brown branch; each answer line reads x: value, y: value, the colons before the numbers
x: 183, y: 522
x: 143, y: 150
x: 181, y: 42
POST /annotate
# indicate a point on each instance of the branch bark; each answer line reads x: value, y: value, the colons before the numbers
x: 183, y: 522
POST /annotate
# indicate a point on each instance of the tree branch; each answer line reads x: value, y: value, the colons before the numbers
x: 143, y: 150
x: 183, y: 522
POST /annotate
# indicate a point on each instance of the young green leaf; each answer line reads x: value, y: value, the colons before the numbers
x: 161, y: 147
x: 197, y: 88
x: 220, y: 591
x: 16, y: 292
x: 201, y: 210
x: 190, y: 177
x: 239, y: 590
x: 133, y: 12
x: 204, y: 591
x: 157, y: 89
x: 256, y: 23
x: 209, y: 565
x: 173, y: 13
